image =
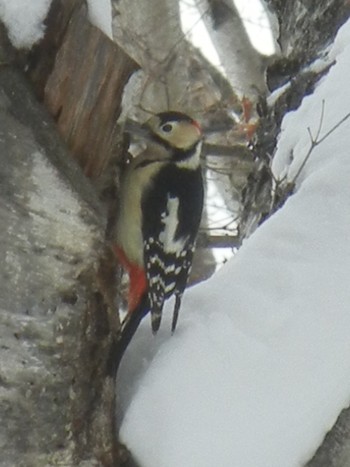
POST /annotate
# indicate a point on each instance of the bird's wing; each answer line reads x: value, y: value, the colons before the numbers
x: 173, y: 216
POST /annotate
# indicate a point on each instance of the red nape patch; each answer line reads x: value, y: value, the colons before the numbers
x: 137, y: 279
x: 197, y: 125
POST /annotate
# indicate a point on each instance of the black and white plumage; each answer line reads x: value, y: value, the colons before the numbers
x: 160, y: 211
x: 174, y: 206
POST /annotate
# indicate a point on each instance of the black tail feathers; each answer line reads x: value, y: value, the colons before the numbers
x: 128, y: 330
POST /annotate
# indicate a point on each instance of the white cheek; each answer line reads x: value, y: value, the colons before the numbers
x: 193, y: 162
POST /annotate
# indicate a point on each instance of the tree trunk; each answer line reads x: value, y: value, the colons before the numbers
x: 57, y: 291
x: 243, y: 65
x: 57, y: 397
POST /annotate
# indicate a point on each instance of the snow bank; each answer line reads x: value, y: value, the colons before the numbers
x: 259, y: 368
x: 24, y: 20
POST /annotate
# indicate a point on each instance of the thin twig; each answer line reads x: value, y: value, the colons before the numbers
x: 315, y: 142
x: 321, y: 120
x: 284, y: 187
x: 218, y: 241
x: 334, y: 128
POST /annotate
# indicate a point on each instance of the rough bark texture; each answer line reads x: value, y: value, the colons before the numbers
x: 58, y: 314
x: 80, y: 74
x: 292, y: 69
x: 56, y: 395
x: 305, y: 29
x: 335, y: 449
x: 234, y: 47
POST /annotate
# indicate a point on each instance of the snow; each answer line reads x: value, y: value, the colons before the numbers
x: 259, y: 368
x: 100, y: 14
x: 24, y: 20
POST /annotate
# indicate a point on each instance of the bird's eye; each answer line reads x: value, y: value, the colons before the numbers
x: 167, y: 127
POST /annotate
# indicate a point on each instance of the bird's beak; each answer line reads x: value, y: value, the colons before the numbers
x: 136, y: 129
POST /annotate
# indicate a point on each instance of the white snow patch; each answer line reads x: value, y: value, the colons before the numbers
x: 100, y: 14
x: 24, y: 20
x: 52, y: 197
x: 259, y: 368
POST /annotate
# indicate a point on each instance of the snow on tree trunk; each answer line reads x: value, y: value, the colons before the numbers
x: 57, y: 295
x: 57, y: 398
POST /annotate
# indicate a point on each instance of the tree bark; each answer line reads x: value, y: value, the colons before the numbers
x: 58, y: 313
x: 80, y: 75
x: 305, y: 29
x: 56, y: 319
x: 243, y: 65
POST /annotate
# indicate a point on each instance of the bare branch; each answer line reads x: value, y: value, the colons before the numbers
x: 237, y: 151
x: 321, y: 120
x: 218, y: 241
x: 315, y: 142
x: 337, y: 125
x: 285, y: 187
x: 310, y: 134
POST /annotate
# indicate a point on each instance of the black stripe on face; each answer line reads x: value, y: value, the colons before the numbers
x: 174, y: 116
x: 177, y: 154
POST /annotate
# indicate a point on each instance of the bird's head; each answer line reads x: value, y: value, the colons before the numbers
x: 175, y: 130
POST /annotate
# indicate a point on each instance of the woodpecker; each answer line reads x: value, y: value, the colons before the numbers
x: 161, y: 203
